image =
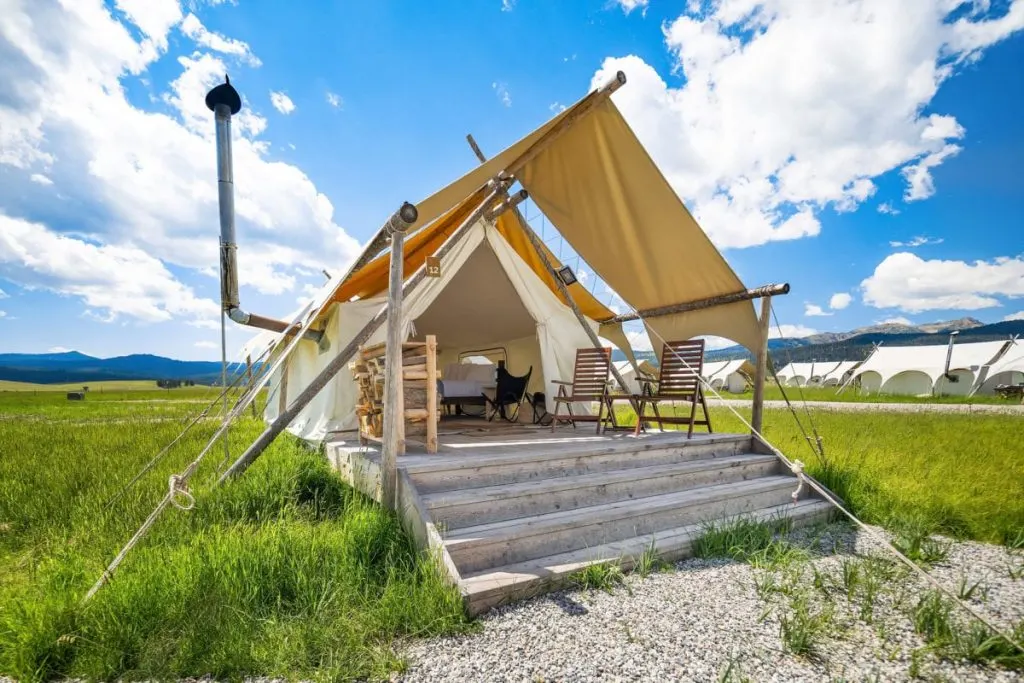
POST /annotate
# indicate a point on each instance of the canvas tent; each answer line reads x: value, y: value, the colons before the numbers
x: 838, y: 374
x: 920, y: 370
x: 729, y: 375
x: 588, y: 173
x: 803, y: 374
x: 1009, y: 369
x: 628, y: 372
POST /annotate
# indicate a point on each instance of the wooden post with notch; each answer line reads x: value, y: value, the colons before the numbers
x: 282, y: 390
x: 431, y: 394
x: 394, y: 409
x: 761, y: 364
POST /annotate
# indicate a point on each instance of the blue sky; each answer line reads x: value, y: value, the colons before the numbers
x: 870, y: 153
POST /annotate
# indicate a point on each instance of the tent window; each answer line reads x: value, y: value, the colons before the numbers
x: 482, y: 356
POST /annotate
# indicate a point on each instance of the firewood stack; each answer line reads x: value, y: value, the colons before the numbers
x: 419, y: 384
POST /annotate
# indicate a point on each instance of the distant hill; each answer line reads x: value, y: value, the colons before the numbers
x: 857, y: 344
x: 72, y: 366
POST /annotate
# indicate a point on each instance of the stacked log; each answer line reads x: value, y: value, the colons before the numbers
x: 418, y: 388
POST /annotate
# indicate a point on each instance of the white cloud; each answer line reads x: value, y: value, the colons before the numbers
x: 3, y: 314
x: 206, y: 345
x: 556, y: 107
x: 712, y: 342
x: 194, y: 29
x: 790, y: 331
x: 40, y: 178
x: 1019, y: 315
x: 791, y: 107
x: 839, y: 301
x: 888, y: 208
x: 630, y: 5
x: 896, y: 320
x: 112, y: 281
x: 501, y: 90
x: 920, y: 184
x: 335, y: 100
x: 3, y: 294
x: 639, y: 340
x: 918, y: 241
x: 148, y: 177
x: 508, y: 5
x: 58, y: 349
x: 905, y: 281
x: 814, y: 310
x: 282, y: 102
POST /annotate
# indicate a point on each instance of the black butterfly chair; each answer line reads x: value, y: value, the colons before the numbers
x: 509, y: 395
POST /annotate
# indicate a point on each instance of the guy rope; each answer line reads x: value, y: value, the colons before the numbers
x: 797, y: 468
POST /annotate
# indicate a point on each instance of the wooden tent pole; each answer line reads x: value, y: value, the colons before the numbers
x: 394, y: 417
x: 720, y: 300
x: 538, y: 246
x: 285, y: 417
x: 761, y: 365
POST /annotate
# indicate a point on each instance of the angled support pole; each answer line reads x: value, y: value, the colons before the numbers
x: 346, y: 354
x: 538, y: 246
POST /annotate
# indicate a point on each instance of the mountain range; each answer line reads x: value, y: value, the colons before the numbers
x: 72, y: 366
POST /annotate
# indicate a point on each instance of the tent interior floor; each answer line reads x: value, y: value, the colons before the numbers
x: 513, y: 510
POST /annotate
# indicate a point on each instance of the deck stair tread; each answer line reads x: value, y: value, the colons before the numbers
x: 485, y: 588
x: 512, y: 529
x: 546, y: 451
x: 636, y: 475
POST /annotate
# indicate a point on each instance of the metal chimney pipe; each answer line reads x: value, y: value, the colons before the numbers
x: 949, y: 355
x: 224, y: 101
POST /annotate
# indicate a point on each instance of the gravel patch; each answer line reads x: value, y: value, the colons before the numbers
x: 705, y: 620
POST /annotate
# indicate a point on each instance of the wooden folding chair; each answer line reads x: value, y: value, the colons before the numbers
x: 682, y: 363
x: 589, y: 383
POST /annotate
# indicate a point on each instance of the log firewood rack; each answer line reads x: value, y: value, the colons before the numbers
x: 419, y: 401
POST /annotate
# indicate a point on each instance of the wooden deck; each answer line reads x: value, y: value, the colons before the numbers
x: 513, y: 510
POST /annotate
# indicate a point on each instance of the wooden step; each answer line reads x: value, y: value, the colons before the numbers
x: 489, y: 588
x: 456, y: 509
x: 455, y: 473
x: 500, y: 543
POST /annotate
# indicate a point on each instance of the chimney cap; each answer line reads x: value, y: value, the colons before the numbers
x: 224, y: 93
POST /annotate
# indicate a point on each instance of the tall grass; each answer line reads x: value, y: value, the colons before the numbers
x: 960, y: 475
x: 285, y: 572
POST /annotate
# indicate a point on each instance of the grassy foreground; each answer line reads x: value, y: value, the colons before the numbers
x: 286, y: 572
x: 772, y: 392
x: 961, y: 475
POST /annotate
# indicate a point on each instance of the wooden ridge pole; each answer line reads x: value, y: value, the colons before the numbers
x: 538, y: 246
x: 720, y: 300
x: 286, y: 416
x: 761, y: 365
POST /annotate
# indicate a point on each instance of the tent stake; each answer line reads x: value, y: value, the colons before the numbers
x: 345, y: 355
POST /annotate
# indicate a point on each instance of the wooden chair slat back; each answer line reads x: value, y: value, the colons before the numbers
x: 590, y: 376
x: 682, y: 363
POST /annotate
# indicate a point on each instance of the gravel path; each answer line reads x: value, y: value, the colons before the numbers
x: 705, y: 621
x: 852, y: 407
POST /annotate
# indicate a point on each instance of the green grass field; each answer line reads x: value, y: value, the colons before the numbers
x: 290, y: 573
x: 98, y: 387
x: 287, y: 572
x: 957, y: 474
x: 772, y: 392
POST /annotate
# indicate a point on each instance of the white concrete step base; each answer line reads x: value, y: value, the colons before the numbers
x: 492, y: 587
